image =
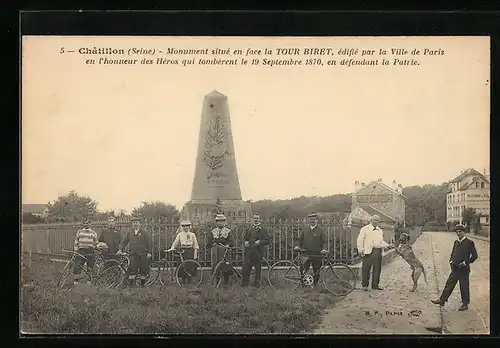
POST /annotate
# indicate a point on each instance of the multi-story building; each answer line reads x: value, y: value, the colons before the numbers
x: 378, y: 198
x: 470, y: 189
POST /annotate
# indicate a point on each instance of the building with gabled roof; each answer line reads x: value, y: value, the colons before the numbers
x: 469, y: 189
x: 378, y: 198
x: 40, y: 210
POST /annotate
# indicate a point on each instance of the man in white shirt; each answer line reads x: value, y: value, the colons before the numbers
x: 370, y: 244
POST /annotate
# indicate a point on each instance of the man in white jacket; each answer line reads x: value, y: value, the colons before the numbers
x: 370, y: 244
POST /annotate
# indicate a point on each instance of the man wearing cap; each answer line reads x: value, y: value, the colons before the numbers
x: 186, y: 241
x: 462, y: 255
x: 315, y: 242
x: 85, y: 242
x: 139, y: 243
x: 370, y: 244
x: 255, y: 239
x: 219, y: 235
x: 111, y: 237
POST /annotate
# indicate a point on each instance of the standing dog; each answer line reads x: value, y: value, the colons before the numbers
x: 404, y: 249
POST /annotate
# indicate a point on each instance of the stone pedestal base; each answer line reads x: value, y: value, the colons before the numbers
x: 204, y: 210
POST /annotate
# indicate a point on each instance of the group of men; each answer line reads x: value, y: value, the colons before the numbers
x: 312, y: 242
x: 112, y: 243
x: 370, y: 244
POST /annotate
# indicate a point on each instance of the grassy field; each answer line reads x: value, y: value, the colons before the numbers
x: 160, y: 310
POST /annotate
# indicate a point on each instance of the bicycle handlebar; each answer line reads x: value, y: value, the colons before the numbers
x: 175, y: 250
x: 302, y: 251
x: 226, y: 246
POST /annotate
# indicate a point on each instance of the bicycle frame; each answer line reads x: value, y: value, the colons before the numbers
x: 325, y: 261
x: 99, y: 258
x: 226, y: 261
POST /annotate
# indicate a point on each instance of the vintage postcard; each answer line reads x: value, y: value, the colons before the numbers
x: 255, y: 185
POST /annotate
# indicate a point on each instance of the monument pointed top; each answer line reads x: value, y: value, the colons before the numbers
x: 215, y: 94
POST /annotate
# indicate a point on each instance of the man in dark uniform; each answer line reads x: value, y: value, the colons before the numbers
x: 462, y: 255
x: 255, y: 239
x: 139, y: 243
x: 112, y: 237
x: 315, y: 241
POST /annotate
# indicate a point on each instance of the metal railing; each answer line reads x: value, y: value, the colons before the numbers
x: 52, y: 238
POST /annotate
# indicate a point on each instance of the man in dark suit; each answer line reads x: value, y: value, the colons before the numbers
x: 315, y: 241
x: 139, y: 242
x: 463, y: 254
x: 255, y: 240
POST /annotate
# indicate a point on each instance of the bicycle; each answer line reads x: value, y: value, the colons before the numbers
x: 217, y: 275
x: 168, y: 272
x: 285, y: 274
x: 92, y: 274
x: 114, y: 276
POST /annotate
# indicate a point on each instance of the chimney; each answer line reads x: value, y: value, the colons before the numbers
x: 400, y: 188
x: 394, y: 185
x: 357, y: 186
x: 379, y: 179
x: 362, y: 184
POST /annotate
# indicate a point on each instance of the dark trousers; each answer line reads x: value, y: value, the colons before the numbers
x: 315, y: 261
x: 457, y: 275
x: 187, y: 272
x: 138, y: 263
x: 80, y: 261
x: 371, y: 260
x: 252, y: 258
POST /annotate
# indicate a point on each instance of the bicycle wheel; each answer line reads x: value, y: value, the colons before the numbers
x: 154, y: 273
x: 101, y: 267
x: 167, y: 274
x: 111, y: 277
x: 218, y: 274
x: 284, y: 275
x: 265, y: 268
x: 189, y: 274
x: 68, y: 267
x: 339, y: 279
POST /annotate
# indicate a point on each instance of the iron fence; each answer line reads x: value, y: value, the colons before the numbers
x: 52, y: 238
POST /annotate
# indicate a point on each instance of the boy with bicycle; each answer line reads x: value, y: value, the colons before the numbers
x: 219, y: 235
x: 85, y: 242
x: 314, y: 240
x: 139, y: 243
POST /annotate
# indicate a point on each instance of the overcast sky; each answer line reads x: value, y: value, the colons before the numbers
x: 124, y: 134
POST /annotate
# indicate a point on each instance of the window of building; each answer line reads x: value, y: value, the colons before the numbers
x: 482, y: 185
x: 476, y: 185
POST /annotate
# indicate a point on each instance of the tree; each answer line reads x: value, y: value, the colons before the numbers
x: 156, y: 210
x: 72, y: 207
x: 426, y: 203
x: 469, y: 217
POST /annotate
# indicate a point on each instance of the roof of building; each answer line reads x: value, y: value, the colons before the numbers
x: 474, y: 180
x: 470, y: 171
x: 383, y: 185
x: 34, y: 208
x: 374, y: 211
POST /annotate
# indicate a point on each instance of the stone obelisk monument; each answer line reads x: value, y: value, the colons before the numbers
x: 216, y: 187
